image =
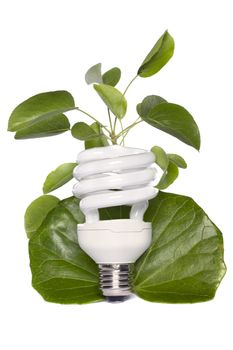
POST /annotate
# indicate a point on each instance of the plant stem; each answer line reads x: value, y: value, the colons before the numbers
x: 128, y: 128
x: 110, y: 120
x: 127, y: 87
x: 102, y: 126
x: 122, y: 131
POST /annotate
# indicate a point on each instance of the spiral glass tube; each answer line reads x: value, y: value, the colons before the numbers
x: 107, y: 177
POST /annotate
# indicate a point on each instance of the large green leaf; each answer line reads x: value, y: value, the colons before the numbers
x: 51, y: 126
x: 99, y: 140
x: 93, y: 75
x: 113, y: 98
x: 158, y: 56
x: 174, y: 120
x: 58, y: 177
x: 37, y: 212
x: 61, y: 271
x: 185, y: 263
x: 112, y: 76
x: 40, y: 107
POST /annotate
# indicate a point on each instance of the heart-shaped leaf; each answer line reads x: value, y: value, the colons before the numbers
x: 148, y: 104
x: 61, y: 271
x: 112, y: 76
x: 158, y: 56
x: 174, y: 120
x: 185, y: 263
x: 37, y: 212
x: 93, y: 75
x: 99, y: 140
x: 177, y: 160
x: 40, y: 107
x: 59, y: 177
x: 51, y: 126
x: 83, y: 131
x: 113, y: 98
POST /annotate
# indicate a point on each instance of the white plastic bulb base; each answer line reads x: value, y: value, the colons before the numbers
x: 115, y: 245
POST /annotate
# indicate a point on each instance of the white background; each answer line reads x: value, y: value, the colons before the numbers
x: 48, y: 45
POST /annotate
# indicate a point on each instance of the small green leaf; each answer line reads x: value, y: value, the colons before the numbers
x: 112, y: 76
x: 148, y: 104
x: 40, y: 107
x: 100, y: 140
x: 176, y: 121
x: 82, y: 131
x: 160, y: 157
x: 177, y: 160
x: 59, y: 177
x: 113, y: 98
x: 93, y: 75
x: 184, y: 263
x: 158, y: 56
x: 61, y: 271
x: 169, y: 176
x: 51, y: 126
x: 37, y: 212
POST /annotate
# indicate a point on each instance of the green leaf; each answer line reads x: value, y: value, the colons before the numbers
x: 51, y: 126
x: 176, y: 121
x: 112, y: 76
x: 113, y: 98
x: 100, y: 140
x: 169, y: 176
x: 185, y: 263
x: 37, y: 212
x: 61, y: 271
x: 40, y: 106
x: 59, y: 177
x: 93, y: 75
x: 160, y: 157
x: 177, y: 160
x: 158, y: 56
x: 82, y: 131
x: 148, y: 104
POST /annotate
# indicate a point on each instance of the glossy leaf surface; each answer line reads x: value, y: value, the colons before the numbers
x: 99, y: 140
x: 37, y: 212
x: 51, y: 126
x: 61, y: 271
x: 185, y: 261
x: 93, y: 75
x: 83, y: 131
x: 148, y: 104
x: 113, y: 98
x: 176, y: 121
x: 112, y: 76
x: 58, y: 177
x: 158, y: 56
x: 178, y: 160
x: 40, y: 107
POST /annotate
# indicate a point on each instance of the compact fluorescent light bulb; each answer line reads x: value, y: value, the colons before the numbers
x: 108, y: 177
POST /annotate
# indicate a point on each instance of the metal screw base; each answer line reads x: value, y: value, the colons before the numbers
x: 115, y: 280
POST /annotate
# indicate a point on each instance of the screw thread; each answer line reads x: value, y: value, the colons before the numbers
x: 115, y: 281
